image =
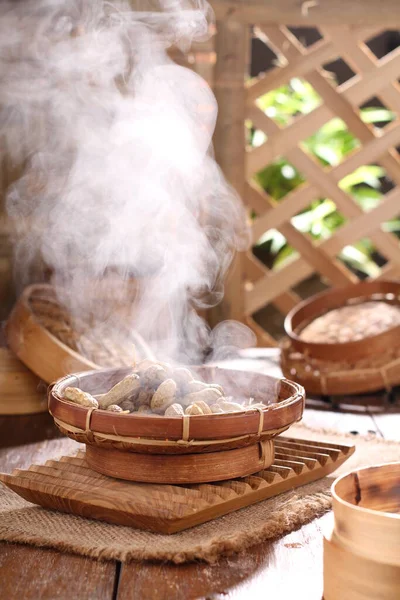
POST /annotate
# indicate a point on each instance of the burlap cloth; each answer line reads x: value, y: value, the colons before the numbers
x: 23, y: 522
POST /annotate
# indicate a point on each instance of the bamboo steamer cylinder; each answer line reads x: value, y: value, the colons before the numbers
x: 362, y: 553
x: 348, y: 576
x: 182, y: 468
x: 21, y: 392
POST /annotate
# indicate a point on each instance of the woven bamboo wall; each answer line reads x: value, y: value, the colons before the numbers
x: 373, y: 77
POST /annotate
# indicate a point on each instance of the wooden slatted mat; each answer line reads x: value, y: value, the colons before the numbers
x: 69, y: 485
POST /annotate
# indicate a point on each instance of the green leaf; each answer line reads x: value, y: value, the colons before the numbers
x: 360, y: 261
x: 286, y: 255
x: 369, y: 174
x: 332, y: 142
x: 327, y: 154
x: 392, y: 226
x: 286, y: 102
x: 258, y: 138
x: 276, y: 239
x: 332, y: 127
x: 274, y: 180
x: 367, y: 197
x: 307, y: 220
x: 377, y: 115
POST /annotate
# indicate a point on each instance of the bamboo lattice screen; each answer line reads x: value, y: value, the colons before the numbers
x: 252, y: 286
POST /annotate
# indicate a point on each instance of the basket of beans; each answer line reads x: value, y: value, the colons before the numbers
x: 170, y: 424
x: 346, y: 340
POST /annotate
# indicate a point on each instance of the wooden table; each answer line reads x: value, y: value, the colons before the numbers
x: 291, y: 565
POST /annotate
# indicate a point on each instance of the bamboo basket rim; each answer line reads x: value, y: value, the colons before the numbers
x: 319, y: 304
x: 363, y: 525
x: 327, y: 378
x: 23, y: 303
x: 379, y: 514
x: 37, y: 347
x: 256, y: 423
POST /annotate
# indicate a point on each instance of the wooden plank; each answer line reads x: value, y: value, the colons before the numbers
x: 389, y: 271
x: 356, y: 90
x: 26, y: 429
x: 284, y: 138
x: 335, y: 272
x: 291, y: 48
x: 255, y: 270
x: 265, y: 289
x: 285, y: 302
x: 332, y: 269
x: 320, y: 53
x: 361, y: 59
x: 365, y: 224
x: 232, y: 48
x: 31, y: 573
x: 260, y: 202
x: 307, y: 14
x: 386, y: 243
x: 239, y: 577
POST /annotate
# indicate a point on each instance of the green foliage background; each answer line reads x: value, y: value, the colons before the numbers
x: 329, y: 146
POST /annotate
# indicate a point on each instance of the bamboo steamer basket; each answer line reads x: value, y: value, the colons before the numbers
x: 21, y: 392
x: 362, y: 552
x: 187, y: 449
x: 356, y: 366
x: 40, y: 333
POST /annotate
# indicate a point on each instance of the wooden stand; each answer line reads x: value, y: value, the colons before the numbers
x: 181, y: 468
x: 70, y: 485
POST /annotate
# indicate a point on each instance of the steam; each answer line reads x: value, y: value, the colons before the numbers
x: 119, y: 178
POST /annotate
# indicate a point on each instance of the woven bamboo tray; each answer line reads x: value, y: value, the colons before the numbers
x: 21, y: 392
x: 117, y: 443
x: 50, y: 343
x: 69, y: 485
x: 362, y: 552
x: 364, y: 365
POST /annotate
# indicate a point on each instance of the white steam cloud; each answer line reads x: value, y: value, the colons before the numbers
x: 119, y: 174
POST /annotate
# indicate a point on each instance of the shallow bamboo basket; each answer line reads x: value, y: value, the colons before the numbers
x: 365, y: 365
x: 40, y: 332
x: 362, y: 553
x: 134, y: 446
x: 21, y: 392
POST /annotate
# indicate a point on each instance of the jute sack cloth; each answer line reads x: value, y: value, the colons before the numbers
x: 23, y: 522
